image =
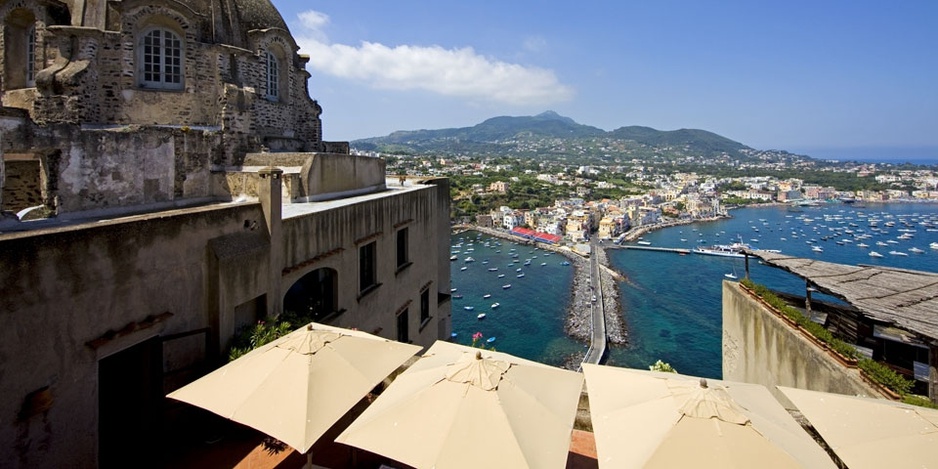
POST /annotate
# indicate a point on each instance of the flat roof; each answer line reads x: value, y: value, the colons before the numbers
x: 907, y: 299
x: 394, y: 188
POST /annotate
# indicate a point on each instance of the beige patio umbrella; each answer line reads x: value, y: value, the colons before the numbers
x: 299, y: 385
x: 648, y: 419
x: 461, y: 407
x: 867, y: 432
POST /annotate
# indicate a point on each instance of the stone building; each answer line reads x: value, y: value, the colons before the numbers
x: 179, y: 159
x: 115, y: 104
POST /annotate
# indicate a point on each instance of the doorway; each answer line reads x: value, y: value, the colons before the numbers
x: 130, y: 395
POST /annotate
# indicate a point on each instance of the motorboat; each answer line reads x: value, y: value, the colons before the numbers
x: 724, y: 250
x: 875, y: 254
x: 481, y: 316
x: 495, y: 305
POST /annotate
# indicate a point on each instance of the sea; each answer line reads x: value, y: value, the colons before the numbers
x: 672, y: 303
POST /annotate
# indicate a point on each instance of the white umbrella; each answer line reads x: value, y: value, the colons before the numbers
x: 460, y: 407
x: 647, y: 419
x: 299, y: 385
x: 866, y: 432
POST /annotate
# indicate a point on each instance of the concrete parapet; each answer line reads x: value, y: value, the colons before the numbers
x: 761, y: 348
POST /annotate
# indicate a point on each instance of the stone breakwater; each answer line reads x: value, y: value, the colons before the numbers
x: 577, y: 324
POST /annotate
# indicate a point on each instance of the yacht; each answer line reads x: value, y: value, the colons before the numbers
x: 725, y: 250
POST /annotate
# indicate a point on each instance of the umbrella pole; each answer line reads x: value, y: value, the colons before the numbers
x: 309, y: 460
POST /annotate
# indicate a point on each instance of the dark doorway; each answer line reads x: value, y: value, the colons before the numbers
x: 130, y: 394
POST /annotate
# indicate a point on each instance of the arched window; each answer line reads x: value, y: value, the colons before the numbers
x: 19, y: 49
x: 31, y: 56
x: 161, y: 59
x: 314, y: 296
x: 273, y: 77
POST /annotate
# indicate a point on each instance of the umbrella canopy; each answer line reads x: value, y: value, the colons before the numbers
x: 866, y: 432
x: 461, y: 407
x: 647, y: 419
x: 299, y: 385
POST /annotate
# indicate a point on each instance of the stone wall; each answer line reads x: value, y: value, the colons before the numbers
x: 329, y: 176
x: 71, y: 296
x: 761, y: 348
x: 377, y: 218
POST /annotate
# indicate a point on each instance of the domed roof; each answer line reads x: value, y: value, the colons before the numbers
x: 258, y: 14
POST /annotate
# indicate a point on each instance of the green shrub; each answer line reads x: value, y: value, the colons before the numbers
x: 263, y: 332
x: 663, y: 367
x: 920, y: 401
x: 792, y: 313
x: 884, y: 375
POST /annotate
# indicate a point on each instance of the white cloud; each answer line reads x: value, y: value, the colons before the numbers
x: 535, y: 44
x: 461, y: 72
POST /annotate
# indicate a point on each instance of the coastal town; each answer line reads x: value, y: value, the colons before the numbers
x: 594, y: 200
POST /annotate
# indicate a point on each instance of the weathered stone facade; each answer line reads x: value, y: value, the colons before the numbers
x: 143, y: 122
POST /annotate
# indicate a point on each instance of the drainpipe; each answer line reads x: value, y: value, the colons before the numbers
x: 270, y: 195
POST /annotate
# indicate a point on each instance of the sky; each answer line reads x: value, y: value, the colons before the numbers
x: 831, y: 79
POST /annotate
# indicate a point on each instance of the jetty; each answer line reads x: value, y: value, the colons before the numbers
x: 649, y: 248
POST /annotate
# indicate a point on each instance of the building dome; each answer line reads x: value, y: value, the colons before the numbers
x: 257, y: 14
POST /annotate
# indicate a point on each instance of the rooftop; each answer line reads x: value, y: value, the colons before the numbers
x: 905, y: 298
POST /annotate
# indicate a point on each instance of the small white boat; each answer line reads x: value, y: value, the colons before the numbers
x: 495, y: 305
x: 916, y: 250
x: 507, y: 286
x: 490, y: 339
x: 933, y: 245
x: 486, y: 296
x: 501, y: 275
x: 468, y: 308
x: 493, y: 269
x: 817, y: 249
x: 521, y: 275
x: 543, y: 264
x: 730, y: 276
x: 463, y: 268
x: 481, y: 316
x: 469, y: 259
x: 863, y: 245
x: 875, y: 254
x: 644, y: 243
x: 898, y: 253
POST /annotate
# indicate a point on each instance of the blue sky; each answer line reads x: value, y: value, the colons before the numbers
x: 826, y: 78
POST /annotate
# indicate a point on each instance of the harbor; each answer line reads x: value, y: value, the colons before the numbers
x: 662, y: 316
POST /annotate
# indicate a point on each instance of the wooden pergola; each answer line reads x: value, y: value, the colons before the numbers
x: 905, y: 299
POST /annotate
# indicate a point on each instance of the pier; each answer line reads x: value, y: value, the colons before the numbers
x: 649, y: 248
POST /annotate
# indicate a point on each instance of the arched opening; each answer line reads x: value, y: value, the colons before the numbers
x: 314, y: 296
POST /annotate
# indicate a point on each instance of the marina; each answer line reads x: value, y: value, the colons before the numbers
x: 672, y: 304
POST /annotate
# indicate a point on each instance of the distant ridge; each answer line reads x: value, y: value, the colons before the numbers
x: 538, y: 135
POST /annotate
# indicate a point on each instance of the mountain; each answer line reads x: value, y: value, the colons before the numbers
x: 552, y: 136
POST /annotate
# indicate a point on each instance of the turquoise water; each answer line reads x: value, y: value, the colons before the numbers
x: 529, y: 321
x: 671, y: 303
